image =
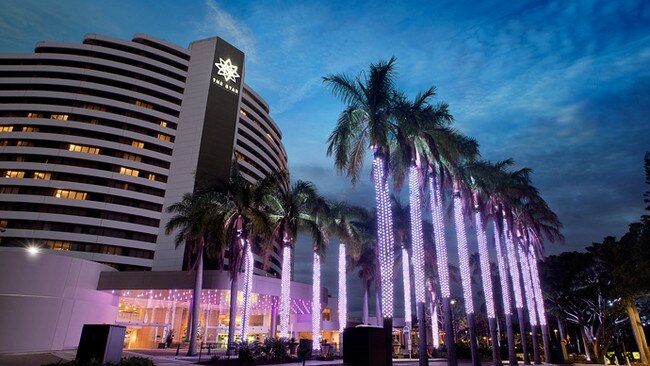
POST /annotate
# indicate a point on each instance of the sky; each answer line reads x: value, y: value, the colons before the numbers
x: 562, y: 87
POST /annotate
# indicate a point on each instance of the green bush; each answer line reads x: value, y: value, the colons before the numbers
x: 126, y: 361
x: 136, y: 361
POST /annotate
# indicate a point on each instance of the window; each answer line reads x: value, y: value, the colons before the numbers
x: 14, y: 174
x: 109, y: 249
x: 60, y: 117
x: 326, y: 315
x: 163, y: 123
x: 151, y: 176
x: 164, y: 137
x: 8, y: 190
x: 73, y: 195
x: 94, y: 107
x: 34, y: 115
x: 57, y: 245
x: 24, y: 143
x: 42, y: 175
x: 242, y: 112
x: 129, y: 171
x: 83, y: 149
x: 137, y: 144
x: 140, y: 103
x: 30, y: 129
x: 6, y: 128
x: 132, y: 157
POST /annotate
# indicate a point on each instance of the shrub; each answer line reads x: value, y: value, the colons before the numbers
x: 136, y: 361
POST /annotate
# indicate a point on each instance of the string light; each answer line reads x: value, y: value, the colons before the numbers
x: 539, y: 300
x: 343, y: 291
x: 315, y: 315
x: 512, y: 265
x: 439, y: 234
x: 416, y: 235
x: 463, y: 255
x: 384, y: 235
x: 248, y: 284
x: 284, y: 295
x: 407, y: 286
x: 528, y: 287
x: 503, y: 271
x: 484, y: 258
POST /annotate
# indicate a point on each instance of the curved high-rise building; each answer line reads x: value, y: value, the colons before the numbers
x: 98, y: 138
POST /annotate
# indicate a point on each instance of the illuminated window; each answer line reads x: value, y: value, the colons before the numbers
x: 109, y: 249
x: 8, y: 190
x: 60, y: 117
x: 151, y: 176
x: 132, y: 157
x: 42, y: 175
x: 14, y: 174
x: 242, y: 112
x: 164, y: 137
x: 137, y: 144
x: 57, y: 245
x: 94, y: 107
x: 4, y: 142
x: 30, y: 129
x: 94, y: 121
x: 327, y: 315
x: 73, y: 195
x: 24, y: 143
x: 143, y: 104
x: 129, y: 171
x: 83, y: 149
x: 4, y: 223
x: 163, y: 123
x: 20, y: 158
x: 6, y: 128
x: 35, y: 115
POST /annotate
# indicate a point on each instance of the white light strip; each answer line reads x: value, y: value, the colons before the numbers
x: 343, y: 292
x: 539, y: 300
x: 385, y: 236
x: 406, y: 275
x: 484, y: 259
x: 512, y: 265
x: 248, y: 284
x: 284, y: 296
x: 439, y: 233
x: 435, y: 332
x: 416, y: 235
x: 463, y: 254
x: 528, y: 286
x: 503, y: 271
x: 315, y: 304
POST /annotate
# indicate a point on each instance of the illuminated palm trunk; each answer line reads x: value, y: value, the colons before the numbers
x: 465, y: 275
x: 435, y: 331
x: 248, y: 287
x: 315, y: 304
x: 442, y: 262
x: 513, y: 266
x: 284, y: 290
x: 196, y: 303
x: 539, y: 302
x: 415, y: 204
x: 486, y: 275
x: 505, y: 293
x: 343, y: 296
x: 530, y: 301
x: 406, y: 277
x: 386, y: 248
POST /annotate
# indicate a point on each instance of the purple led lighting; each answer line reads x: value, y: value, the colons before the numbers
x: 484, y: 258
x: 435, y: 332
x: 512, y: 265
x: 406, y: 276
x: 315, y: 315
x: 343, y: 292
x: 439, y: 234
x: 384, y: 235
x: 539, y: 300
x: 248, y: 284
x: 416, y: 235
x: 463, y: 255
x: 284, y: 297
x: 528, y: 286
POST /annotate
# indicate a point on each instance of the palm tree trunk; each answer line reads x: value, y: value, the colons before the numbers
x: 584, y: 342
x: 196, y: 303
x: 248, y: 287
x: 536, y: 357
x: 524, y: 339
x: 505, y: 294
x: 442, y: 264
x: 284, y: 289
x: 422, y: 335
x: 513, y: 266
x: 366, y: 289
x: 232, y: 313
x: 637, y: 330
x: 494, y: 338
x: 529, y: 292
x: 539, y: 301
x: 378, y: 316
x: 435, y: 331
x: 316, y: 311
x: 343, y: 296
x: 465, y: 275
x: 386, y: 246
x: 545, y: 343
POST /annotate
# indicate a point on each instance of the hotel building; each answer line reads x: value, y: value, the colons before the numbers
x: 97, y: 139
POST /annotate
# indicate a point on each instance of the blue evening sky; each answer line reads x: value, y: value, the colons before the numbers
x: 563, y: 87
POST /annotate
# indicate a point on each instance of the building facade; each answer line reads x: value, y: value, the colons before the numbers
x: 98, y: 138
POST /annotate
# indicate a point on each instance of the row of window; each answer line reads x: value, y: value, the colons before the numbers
x: 80, y: 229
x: 19, y: 174
x: 84, y: 247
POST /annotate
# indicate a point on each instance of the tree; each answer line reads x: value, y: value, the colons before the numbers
x: 367, y: 122
x: 196, y: 219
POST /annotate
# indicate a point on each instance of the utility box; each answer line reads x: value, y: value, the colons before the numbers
x: 364, y: 346
x: 103, y: 342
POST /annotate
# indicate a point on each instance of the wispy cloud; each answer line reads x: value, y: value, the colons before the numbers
x: 219, y: 22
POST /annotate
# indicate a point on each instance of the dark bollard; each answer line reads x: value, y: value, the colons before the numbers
x: 209, y: 346
x: 178, y: 348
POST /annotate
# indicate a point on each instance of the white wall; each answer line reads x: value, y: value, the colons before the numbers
x: 46, y: 298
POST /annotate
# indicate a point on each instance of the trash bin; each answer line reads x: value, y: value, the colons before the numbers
x: 102, y: 342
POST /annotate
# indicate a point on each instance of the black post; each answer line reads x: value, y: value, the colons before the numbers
x: 512, y: 353
x: 388, y: 340
x: 178, y: 348
x: 494, y: 338
x: 473, y: 340
x: 536, y: 358
x: 524, y: 340
x: 422, y: 336
x: 449, y: 333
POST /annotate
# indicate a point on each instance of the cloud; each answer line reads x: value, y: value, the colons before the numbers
x: 219, y: 22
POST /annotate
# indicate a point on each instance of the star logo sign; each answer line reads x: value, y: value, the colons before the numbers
x: 227, y: 70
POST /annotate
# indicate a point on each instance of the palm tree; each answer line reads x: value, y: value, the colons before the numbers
x: 290, y: 209
x: 367, y: 122
x: 195, y: 220
x: 368, y: 268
